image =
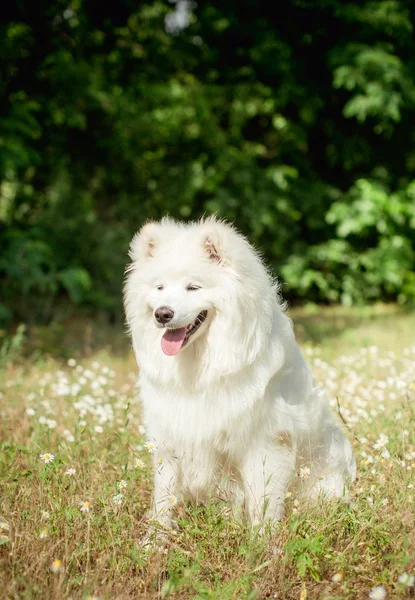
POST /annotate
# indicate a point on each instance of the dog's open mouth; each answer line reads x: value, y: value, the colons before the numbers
x: 173, y: 340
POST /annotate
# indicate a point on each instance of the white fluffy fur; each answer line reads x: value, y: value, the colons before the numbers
x: 236, y: 412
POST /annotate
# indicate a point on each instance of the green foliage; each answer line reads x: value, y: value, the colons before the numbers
x: 299, y: 130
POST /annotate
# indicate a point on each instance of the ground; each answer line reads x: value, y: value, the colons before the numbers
x: 75, y: 476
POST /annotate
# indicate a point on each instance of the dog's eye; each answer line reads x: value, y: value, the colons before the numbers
x: 193, y: 288
x: 159, y: 286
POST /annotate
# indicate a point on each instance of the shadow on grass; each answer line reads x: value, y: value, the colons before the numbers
x: 366, y: 324
x: 84, y: 335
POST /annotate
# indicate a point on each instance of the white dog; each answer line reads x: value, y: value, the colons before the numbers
x: 229, y: 403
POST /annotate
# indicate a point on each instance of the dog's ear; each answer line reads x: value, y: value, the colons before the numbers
x: 145, y: 241
x: 214, y: 242
x: 212, y: 248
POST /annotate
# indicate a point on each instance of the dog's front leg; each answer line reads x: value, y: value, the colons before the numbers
x: 267, y: 473
x: 166, y: 488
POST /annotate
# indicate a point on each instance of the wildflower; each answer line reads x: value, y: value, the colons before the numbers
x: 410, y: 486
x: 43, y: 534
x: 71, y: 362
x: 381, y: 442
x: 118, y: 499
x: 122, y: 484
x: 56, y: 566
x: 377, y: 593
x: 406, y: 579
x: 98, y: 429
x: 30, y: 411
x: 139, y: 463
x: 45, y: 514
x: 85, y: 507
x: 71, y: 471
x: 141, y: 429
x: 337, y: 577
x: 172, y: 499
x: 304, y: 472
x: 47, y: 457
x: 150, y: 447
x: 160, y: 460
x: 4, y: 526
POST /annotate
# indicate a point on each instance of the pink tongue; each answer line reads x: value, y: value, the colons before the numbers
x: 172, y: 340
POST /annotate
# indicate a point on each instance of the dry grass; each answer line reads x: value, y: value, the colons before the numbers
x: 86, y: 414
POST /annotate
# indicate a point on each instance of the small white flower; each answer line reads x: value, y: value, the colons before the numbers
x: 30, y: 412
x: 150, y: 447
x: 71, y: 362
x: 47, y: 457
x: 122, y: 484
x: 377, y: 593
x: 118, y: 499
x: 45, y: 514
x: 406, y: 579
x: 4, y: 526
x: 43, y: 534
x: 139, y: 463
x: 98, y: 428
x: 71, y: 471
x: 337, y: 577
x: 172, y: 499
x: 141, y: 429
x: 304, y: 472
x: 85, y: 507
x: 56, y: 566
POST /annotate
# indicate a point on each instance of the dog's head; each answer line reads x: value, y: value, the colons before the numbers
x: 196, y: 281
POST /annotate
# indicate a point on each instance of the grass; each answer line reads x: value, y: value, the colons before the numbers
x: 84, y: 411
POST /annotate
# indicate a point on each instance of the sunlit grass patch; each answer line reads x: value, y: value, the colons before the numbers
x: 76, y: 479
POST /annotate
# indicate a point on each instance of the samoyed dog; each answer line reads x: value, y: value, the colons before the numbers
x: 230, y: 406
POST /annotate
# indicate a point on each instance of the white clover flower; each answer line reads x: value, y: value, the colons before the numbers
x: 47, y: 457
x: 377, y: 593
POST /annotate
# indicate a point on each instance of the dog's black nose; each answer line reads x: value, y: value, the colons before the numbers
x: 163, y: 315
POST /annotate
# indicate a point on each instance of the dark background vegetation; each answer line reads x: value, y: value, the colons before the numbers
x: 294, y: 119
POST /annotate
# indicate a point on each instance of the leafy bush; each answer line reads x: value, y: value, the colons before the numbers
x: 299, y: 130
